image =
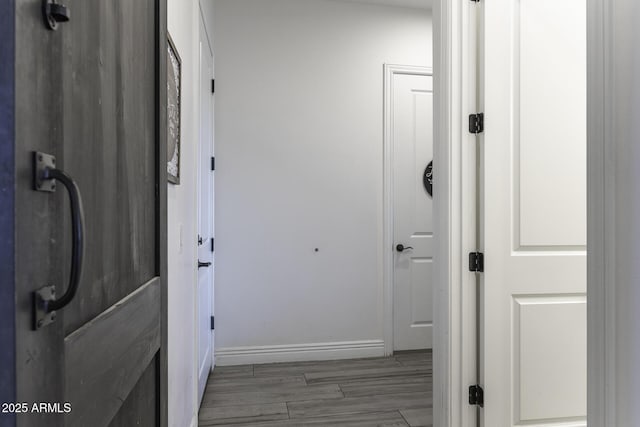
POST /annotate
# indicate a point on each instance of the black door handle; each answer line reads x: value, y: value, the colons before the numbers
x: 402, y: 248
x: 203, y: 264
x: 45, y: 302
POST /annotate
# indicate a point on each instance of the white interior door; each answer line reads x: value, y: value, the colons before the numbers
x: 412, y: 151
x: 533, y: 365
x: 204, y: 301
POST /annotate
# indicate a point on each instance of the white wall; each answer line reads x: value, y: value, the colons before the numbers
x: 183, y: 23
x: 299, y: 87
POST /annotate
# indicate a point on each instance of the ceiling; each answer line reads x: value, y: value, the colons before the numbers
x: 416, y: 4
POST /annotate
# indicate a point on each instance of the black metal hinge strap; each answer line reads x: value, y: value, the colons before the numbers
x: 476, y: 123
x: 213, y: 323
x: 213, y: 163
x: 213, y: 86
x: 476, y: 262
x: 213, y: 245
x: 476, y: 395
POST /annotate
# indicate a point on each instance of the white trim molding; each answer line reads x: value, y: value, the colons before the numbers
x: 456, y: 71
x: 299, y: 352
x: 388, y: 221
x: 599, y: 408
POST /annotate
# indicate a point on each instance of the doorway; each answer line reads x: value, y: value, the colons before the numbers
x: 408, y: 147
x: 523, y: 66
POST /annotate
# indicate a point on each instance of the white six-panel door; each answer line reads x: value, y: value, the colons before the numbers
x: 412, y: 150
x: 533, y: 366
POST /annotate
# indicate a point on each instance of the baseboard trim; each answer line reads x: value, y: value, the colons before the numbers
x: 299, y: 352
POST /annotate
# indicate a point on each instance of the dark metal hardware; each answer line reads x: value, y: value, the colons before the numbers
x: 402, y: 248
x: 213, y: 86
x: 213, y: 323
x: 200, y: 241
x: 427, y: 179
x: 476, y: 395
x: 476, y: 123
x: 476, y: 262
x: 213, y: 244
x: 203, y: 264
x: 213, y: 163
x: 54, y: 13
x: 44, y: 302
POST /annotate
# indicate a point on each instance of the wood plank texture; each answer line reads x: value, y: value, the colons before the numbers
x: 422, y: 417
x: 242, y: 414
x: 377, y: 419
x: 93, y: 94
x: 392, y: 391
x: 139, y: 409
x: 104, y: 360
x: 109, y: 147
x: 38, y: 217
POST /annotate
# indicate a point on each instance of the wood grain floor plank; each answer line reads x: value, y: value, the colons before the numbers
x: 403, y: 379
x: 421, y: 417
x: 388, y: 392
x: 355, y: 405
x: 387, y: 386
x: 412, y: 358
x: 242, y: 414
x: 241, y: 371
x: 296, y: 368
x: 272, y: 394
x: 376, y: 419
x: 253, y: 383
x: 350, y: 375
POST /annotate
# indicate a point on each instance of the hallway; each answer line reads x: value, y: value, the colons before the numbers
x: 391, y: 391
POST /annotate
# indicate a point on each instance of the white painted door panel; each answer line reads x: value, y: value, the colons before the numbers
x: 204, y: 303
x: 412, y: 145
x: 533, y: 366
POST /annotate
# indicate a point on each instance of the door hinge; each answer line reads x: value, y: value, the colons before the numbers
x: 213, y: 323
x: 213, y: 86
x: 213, y: 163
x: 476, y: 395
x: 476, y: 262
x: 476, y: 123
x: 213, y: 245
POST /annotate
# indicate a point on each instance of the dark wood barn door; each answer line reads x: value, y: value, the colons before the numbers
x: 92, y: 95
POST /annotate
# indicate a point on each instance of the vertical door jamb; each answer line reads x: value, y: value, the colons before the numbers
x: 455, y: 85
x: 601, y: 206
x: 161, y: 205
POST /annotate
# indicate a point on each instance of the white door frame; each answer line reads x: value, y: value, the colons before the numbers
x: 456, y: 65
x: 387, y: 240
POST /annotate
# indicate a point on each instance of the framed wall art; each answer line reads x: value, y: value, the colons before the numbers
x: 174, y: 86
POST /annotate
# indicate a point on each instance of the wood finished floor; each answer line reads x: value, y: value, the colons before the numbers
x: 391, y: 392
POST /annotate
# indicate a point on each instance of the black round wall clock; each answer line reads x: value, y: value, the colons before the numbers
x: 427, y: 179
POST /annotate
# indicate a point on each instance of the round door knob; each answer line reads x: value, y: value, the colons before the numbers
x: 402, y: 248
